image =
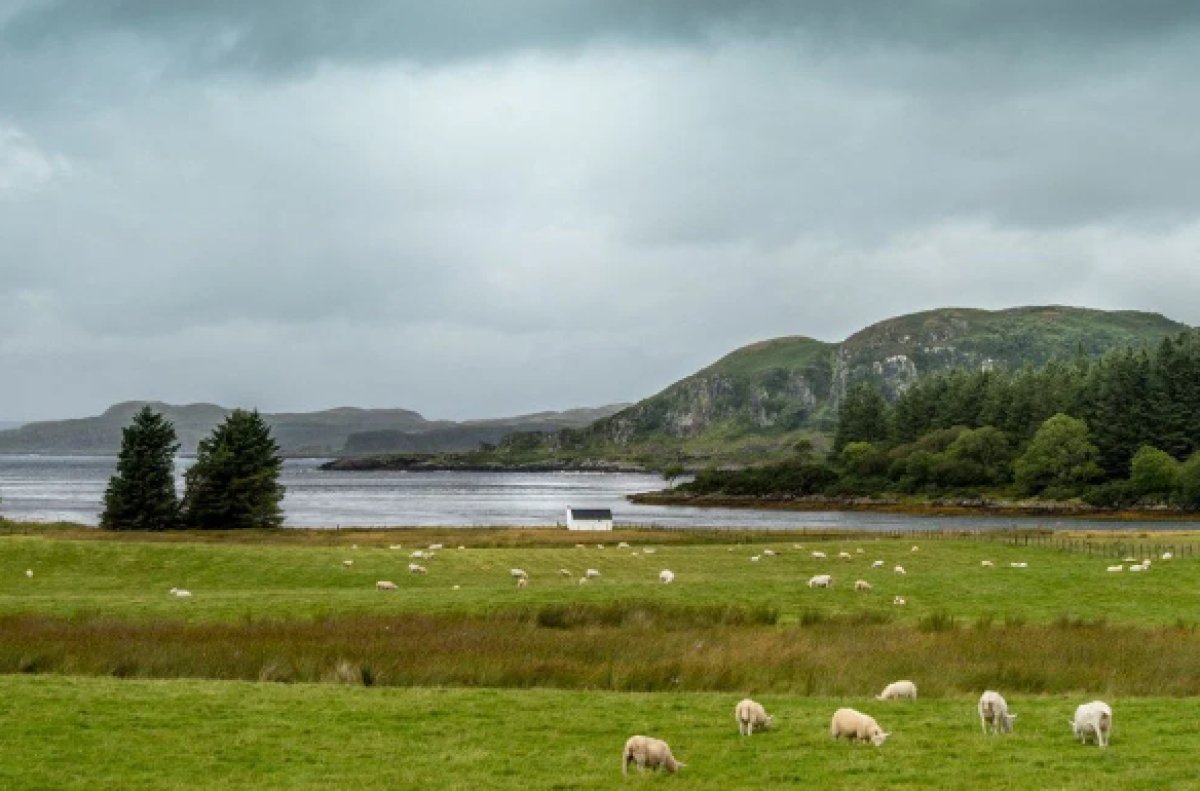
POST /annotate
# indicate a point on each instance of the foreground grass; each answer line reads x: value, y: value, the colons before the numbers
x: 129, y: 579
x: 69, y: 733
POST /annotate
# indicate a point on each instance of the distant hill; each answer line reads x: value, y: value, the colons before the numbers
x: 762, y: 398
x: 324, y: 433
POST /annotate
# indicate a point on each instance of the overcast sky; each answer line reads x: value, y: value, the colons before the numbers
x: 475, y: 208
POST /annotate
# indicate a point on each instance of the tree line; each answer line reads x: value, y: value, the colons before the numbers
x: 234, y: 482
x: 1118, y: 430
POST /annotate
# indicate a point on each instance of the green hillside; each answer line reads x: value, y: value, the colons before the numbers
x: 759, y: 400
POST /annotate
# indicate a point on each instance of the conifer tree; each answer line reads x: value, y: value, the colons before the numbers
x: 235, y: 480
x: 863, y: 417
x: 141, y: 495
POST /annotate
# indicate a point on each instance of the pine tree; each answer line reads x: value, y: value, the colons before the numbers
x: 235, y: 480
x: 863, y: 417
x: 141, y: 495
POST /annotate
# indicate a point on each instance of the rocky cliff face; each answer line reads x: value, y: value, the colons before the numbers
x: 780, y: 389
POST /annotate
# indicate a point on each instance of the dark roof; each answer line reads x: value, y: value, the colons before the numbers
x: 590, y: 513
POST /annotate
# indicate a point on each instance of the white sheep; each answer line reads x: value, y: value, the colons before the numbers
x: 1118, y: 568
x: 899, y: 601
x: 769, y: 553
x: 845, y: 555
x: 592, y: 573
x: 859, y: 551
x: 916, y: 548
x: 877, y: 564
x: 666, y: 576
x: 180, y: 593
x: 580, y: 546
x: 993, y: 711
x: 522, y: 582
x: 599, y: 546
x: 987, y: 564
x: 649, y: 550
x: 898, y: 690
x: 749, y: 714
x: 347, y: 563
x: 821, y: 581
x: 857, y: 727
x: 1129, y: 560
x: 862, y: 585
x: 416, y: 568
x: 435, y: 547
x: 456, y: 587
x: 648, y: 752
x: 1019, y: 564
x: 1092, y: 721
x: 1167, y: 556
x: 899, y: 570
x: 1136, y: 567
x: 797, y: 546
x: 583, y: 580
x: 517, y: 573
x: 818, y: 554
x: 418, y: 554
x: 622, y: 545
x: 564, y: 572
x: 29, y: 573
x: 396, y: 546
x: 755, y: 558
x: 462, y: 546
x: 386, y: 585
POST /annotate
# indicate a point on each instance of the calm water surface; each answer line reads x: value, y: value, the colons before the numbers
x: 70, y: 488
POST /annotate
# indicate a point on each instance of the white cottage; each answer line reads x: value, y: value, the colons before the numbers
x: 589, y: 518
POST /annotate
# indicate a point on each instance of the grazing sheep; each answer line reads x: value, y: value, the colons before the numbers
x: 898, y: 690
x: 916, y: 548
x: 821, y: 581
x: 987, y: 564
x: 435, y: 547
x: 877, y: 564
x: 649, y: 550
x: 592, y: 573
x: 862, y: 585
x: 857, y: 727
x: 580, y: 546
x: 845, y: 555
x: 993, y: 711
x: 457, y: 587
x: 797, y: 546
x: 564, y: 572
x: 1129, y: 560
x: 748, y: 714
x: 899, y: 570
x: 180, y: 593
x: 1137, y: 567
x: 645, y: 751
x: 899, y: 601
x: 522, y: 582
x: 583, y: 580
x: 755, y: 558
x: 517, y: 573
x: 666, y: 576
x: 416, y: 568
x: 29, y: 573
x: 418, y: 554
x: 396, y: 546
x: 859, y: 551
x: 818, y: 554
x: 769, y: 553
x: 347, y: 563
x: 599, y: 546
x: 1118, y: 568
x: 1019, y: 564
x: 386, y: 585
x: 622, y: 545
x: 1092, y: 721
x: 462, y: 546
x: 1167, y: 556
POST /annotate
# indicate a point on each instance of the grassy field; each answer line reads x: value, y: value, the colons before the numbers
x: 106, y: 734
x: 116, y: 684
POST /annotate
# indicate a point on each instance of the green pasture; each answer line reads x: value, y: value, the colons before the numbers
x: 94, y: 734
x: 130, y: 579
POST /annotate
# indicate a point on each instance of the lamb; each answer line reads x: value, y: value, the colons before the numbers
x: 898, y: 690
x: 1092, y: 720
x: 987, y: 564
x: 899, y: 570
x: 899, y: 601
x: 857, y: 727
x: 180, y: 593
x: 416, y: 568
x: 993, y: 711
x: 522, y: 582
x: 877, y: 564
x: 916, y: 548
x: 818, y: 554
x: 862, y: 585
x: 666, y: 576
x: 386, y: 585
x: 1167, y: 556
x: 646, y: 751
x: 821, y: 581
x: 1118, y: 568
x: 517, y: 573
x: 748, y: 714
x: 592, y: 573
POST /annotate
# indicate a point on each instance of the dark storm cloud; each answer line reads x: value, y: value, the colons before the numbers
x: 272, y: 36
